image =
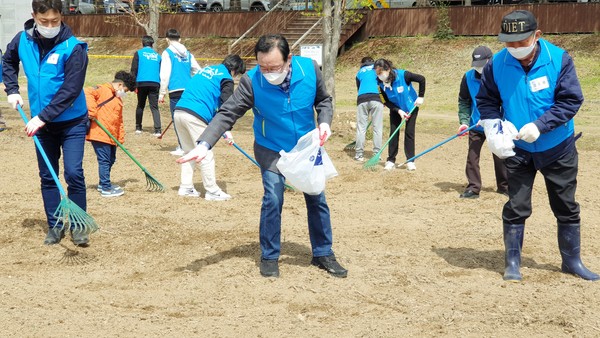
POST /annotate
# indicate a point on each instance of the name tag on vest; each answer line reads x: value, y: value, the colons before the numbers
x: 539, y: 84
x: 53, y: 59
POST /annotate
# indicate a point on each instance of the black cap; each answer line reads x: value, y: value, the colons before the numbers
x: 481, y: 55
x: 517, y: 26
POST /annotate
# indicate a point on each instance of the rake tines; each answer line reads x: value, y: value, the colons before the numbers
x: 152, y: 184
x: 72, y: 217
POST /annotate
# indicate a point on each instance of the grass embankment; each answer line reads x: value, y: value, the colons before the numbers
x: 442, y: 62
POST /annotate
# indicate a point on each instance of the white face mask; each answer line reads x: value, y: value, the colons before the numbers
x: 276, y: 78
x: 383, y: 76
x: 478, y: 69
x: 47, y: 32
x: 521, y: 53
x: 121, y: 93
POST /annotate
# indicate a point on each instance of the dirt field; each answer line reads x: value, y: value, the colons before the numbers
x: 421, y: 261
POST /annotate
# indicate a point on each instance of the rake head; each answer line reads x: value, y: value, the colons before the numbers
x: 152, y: 184
x: 71, y: 216
x: 371, y: 163
x: 350, y: 146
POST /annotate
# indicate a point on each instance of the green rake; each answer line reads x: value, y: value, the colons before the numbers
x: 67, y: 212
x: 352, y: 145
x: 373, y: 161
x: 152, y: 184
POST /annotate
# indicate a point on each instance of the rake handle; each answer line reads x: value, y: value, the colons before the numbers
x: 44, y: 156
x: 164, y: 131
x: 118, y: 143
x: 439, y: 144
x: 394, y: 133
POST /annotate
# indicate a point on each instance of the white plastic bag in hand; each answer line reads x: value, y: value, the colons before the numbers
x: 500, y: 135
x: 307, y: 166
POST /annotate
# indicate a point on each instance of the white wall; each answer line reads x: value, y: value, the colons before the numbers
x: 13, y: 14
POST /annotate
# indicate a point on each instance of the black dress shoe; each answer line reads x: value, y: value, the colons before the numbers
x: 269, y: 267
x: 54, y: 235
x: 469, y: 194
x: 330, y: 264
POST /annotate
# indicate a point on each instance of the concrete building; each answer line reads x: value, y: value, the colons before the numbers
x: 13, y: 14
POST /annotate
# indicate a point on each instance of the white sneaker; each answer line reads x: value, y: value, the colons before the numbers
x: 188, y: 192
x: 138, y: 131
x: 217, y: 196
x: 410, y: 166
x: 389, y: 165
x: 177, y: 152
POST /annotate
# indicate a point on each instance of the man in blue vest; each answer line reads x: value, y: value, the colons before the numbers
x: 146, y: 68
x: 55, y: 63
x: 468, y: 115
x: 368, y: 103
x: 176, y: 69
x: 203, y: 96
x: 283, y: 92
x: 533, y: 84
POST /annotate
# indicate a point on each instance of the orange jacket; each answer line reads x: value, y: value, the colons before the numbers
x: 110, y: 114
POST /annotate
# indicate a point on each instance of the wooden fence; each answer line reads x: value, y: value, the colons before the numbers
x: 472, y: 20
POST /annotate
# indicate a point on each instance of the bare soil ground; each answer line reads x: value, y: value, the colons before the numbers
x: 421, y: 261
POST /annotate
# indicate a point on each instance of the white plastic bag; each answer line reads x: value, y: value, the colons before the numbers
x: 500, y: 135
x: 307, y: 166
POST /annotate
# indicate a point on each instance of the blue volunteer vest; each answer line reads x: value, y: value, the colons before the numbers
x: 46, y: 76
x: 280, y: 118
x: 402, y: 95
x: 525, y: 97
x: 474, y: 83
x: 368, y: 81
x: 148, y: 65
x: 181, y: 69
x: 203, y: 92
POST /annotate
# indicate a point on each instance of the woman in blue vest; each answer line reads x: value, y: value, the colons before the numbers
x: 401, y: 98
x: 468, y: 115
x: 146, y: 69
x: 199, y: 103
x: 55, y: 63
x: 283, y: 92
x: 533, y: 84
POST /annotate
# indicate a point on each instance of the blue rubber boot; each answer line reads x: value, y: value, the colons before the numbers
x: 513, y: 242
x: 569, y: 241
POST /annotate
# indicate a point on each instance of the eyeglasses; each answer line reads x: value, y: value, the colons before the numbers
x: 265, y: 70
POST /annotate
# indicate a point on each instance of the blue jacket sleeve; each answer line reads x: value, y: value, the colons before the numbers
x: 75, y: 69
x: 10, y: 66
x: 488, y: 99
x: 567, y: 98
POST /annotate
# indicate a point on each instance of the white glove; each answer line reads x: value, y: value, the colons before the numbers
x: 228, y: 137
x: 500, y: 135
x: 34, y: 125
x: 419, y: 101
x: 161, y: 98
x: 197, y: 154
x: 14, y: 99
x: 404, y: 115
x: 324, y: 132
x: 529, y: 133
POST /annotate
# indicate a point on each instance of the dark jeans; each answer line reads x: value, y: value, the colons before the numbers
x: 561, y: 183
x: 150, y: 93
x: 472, y: 171
x: 409, y: 135
x: 319, y: 221
x: 72, y: 141
x: 107, y: 155
x: 173, y: 99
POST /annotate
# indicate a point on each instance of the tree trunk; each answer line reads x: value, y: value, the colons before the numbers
x: 332, y: 24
